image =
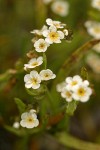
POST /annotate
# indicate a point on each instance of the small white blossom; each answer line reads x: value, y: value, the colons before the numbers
x: 82, y: 92
x: 41, y: 45
x: 93, y: 61
x: 93, y: 28
x: 32, y: 80
x: 39, y: 32
x: 97, y: 47
x: 75, y: 89
x: 72, y: 82
x: 34, y: 62
x: 32, y: 111
x: 57, y: 24
x: 52, y: 35
x: 67, y: 94
x: 60, y: 7
x: 65, y: 31
x: 29, y: 120
x: 16, y: 125
x: 60, y: 86
x: 47, y: 75
x: 47, y: 1
x: 96, y: 4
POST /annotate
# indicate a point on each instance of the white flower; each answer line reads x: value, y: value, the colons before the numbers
x: 16, y: 125
x: 32, y: 80
x: 47, y: 1
x: 82, y: 92
x: 34, y: 62
x: 41, y: 45
x: 93, y: 61
x: 73, y: 82
x: 39, y: 32
x: 57, y: 24
x: 60, y: 86
x: 65, y: 31
x: 29, y: 120
x: 97, y: 47
x: 93, y: 28
x: 52, y: 35
x: 60, y: 7
x: 67, y: 94
x: 47, y: 75
x: 96, y: 4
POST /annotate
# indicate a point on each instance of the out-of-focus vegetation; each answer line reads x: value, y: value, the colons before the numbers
x: 17, y: 19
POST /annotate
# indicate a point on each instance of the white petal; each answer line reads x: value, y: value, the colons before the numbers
x: 68, y: 79
x: 45, y: 33
x: 61, y: 34
x: 57, y: 41
x: 69, y: 99
x: 36, y: 123
x: 86, y: 82
x: 33, y: 73
x: 48, y: 40
x: 49, y: 21
x: 77, y: 78
x: 23, y: 123
x: 84, y: 99
x: 52, y: 28
x: 75, y: 97
x: 24, y: 115
x: 36, y: 86
x: 27, y: 78
x: 28, y: 85
x: 53, y: 76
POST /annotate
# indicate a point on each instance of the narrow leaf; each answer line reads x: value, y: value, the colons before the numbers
x: 21, y: 106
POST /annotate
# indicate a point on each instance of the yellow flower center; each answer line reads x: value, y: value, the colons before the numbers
x: 59, y: 8
x: 68, y: 94
x: 74, y: 83
x: 46, y: 75
x: 42, y: 45
x: 34, y: 63
x: 81, y: 91
x: 53, y: 36
x: 34, y: 80
x: 97, y: 29
x: 30, y: 120
x: 99, y: 3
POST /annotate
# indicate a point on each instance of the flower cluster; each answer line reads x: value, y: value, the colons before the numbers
x: 54, y: 32
x: 93, y: 28
x: 29, y: 119
x: 74, y: 88
x: 59, y: 7
x: 96, y: 4
x: 51, y: 33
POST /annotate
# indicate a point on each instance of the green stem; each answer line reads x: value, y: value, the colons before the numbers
x: 50, y: 98
x: 75, y: 143
x: 22, y: 143
x: 45, y: 60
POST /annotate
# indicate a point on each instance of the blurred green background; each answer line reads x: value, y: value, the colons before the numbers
x: 17, y: 19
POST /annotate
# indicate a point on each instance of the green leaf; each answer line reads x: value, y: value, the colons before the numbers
x: 12, y: 130
x: 74, y: 143
x: 21, y: 106
x: 71, y: 107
